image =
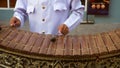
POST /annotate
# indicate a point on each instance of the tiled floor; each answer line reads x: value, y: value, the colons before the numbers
x: 83, y: 28
x: 94, y: 28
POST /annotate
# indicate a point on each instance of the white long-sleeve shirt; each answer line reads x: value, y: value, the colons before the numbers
x: 47, y: 15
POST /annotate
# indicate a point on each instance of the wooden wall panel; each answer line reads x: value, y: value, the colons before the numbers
x: 12, y: 3
x: 3, y: 3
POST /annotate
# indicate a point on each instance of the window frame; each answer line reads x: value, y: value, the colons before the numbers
x: 8, y: 6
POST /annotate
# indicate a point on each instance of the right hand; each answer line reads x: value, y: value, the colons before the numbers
x: 15, y: 22
x: 63, y: 29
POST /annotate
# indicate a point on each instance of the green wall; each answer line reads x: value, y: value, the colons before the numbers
x: 6, y: 14
x: 113, y: 17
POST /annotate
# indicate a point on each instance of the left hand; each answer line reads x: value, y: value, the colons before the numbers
x: 63, y: 29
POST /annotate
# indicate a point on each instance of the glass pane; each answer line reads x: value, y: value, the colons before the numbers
x: 3, y: 3
x: 98, y: 7
x: 83, y: 2
x: 12, y: 3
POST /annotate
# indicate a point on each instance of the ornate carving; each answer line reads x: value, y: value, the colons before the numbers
x: 16, y: 61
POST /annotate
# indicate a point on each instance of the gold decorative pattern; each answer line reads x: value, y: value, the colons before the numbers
x: 16, y: 61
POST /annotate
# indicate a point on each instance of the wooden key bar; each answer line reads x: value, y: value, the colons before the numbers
x: 29, y: 47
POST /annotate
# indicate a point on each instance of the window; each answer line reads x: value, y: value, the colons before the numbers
x: 7, y: 4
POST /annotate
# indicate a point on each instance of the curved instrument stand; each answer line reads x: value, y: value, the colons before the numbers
x: 23, y: 49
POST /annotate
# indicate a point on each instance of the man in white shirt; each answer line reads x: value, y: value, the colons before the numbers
x: 48, y: 16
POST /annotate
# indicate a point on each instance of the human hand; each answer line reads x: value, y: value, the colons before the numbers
x: 63, y: 29
x: 14, y: 22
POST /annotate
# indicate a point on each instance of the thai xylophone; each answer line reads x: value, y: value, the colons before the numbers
x: 86, y: 46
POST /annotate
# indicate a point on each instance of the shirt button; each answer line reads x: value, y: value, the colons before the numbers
x: 43, y: 32
x: 43, y: 7
x: 43, y: 20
